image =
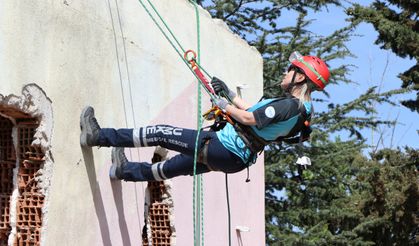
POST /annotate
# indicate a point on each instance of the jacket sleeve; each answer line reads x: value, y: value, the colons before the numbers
x: 276, y: 111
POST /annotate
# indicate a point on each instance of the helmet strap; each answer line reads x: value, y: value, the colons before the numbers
x: 292, y: 84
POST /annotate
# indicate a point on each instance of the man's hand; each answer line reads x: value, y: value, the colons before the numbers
x: 220, y: 102
x: 221, y: 89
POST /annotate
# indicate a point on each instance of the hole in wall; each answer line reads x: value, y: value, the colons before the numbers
x: 7, y: 164
x: 25, y: 166
x: 159, y: 226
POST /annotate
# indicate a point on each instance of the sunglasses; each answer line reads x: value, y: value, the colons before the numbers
x: 296, y: 69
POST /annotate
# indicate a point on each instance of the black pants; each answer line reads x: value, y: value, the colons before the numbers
x: 181, y: 140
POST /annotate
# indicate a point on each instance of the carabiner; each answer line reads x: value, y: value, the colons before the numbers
x: 192, y: 60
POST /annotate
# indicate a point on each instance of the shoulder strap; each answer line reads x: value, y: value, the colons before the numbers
x: 302, y: 127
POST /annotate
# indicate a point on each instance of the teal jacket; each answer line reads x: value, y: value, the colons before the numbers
x: 275, y: 118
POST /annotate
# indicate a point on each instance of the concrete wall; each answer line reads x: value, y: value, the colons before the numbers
x: 109, y: 54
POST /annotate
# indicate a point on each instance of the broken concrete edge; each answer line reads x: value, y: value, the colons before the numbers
x: 147, y: 204
x: 168, y: 199
x: 15, y: 194
x: 222, y: 24
x: 35, y: 103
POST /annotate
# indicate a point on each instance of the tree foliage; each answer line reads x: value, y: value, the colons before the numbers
x: 344, y: 198
x: 396, y: 22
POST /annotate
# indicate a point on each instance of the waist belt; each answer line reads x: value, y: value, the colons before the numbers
x: 203, y: 154
x: 253, y: 142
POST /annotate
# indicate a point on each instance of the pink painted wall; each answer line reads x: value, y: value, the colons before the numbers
x: 246, y: 199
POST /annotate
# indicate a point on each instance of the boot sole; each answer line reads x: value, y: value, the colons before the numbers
x: 114, y: 166
x: 83, y: 126
x: 112, y: 172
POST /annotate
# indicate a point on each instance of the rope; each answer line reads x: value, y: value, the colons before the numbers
x: 197, y: 180
x: 228, y: 212
x: 173, y: 41
x: 174, y: 37
x: 122, y: 90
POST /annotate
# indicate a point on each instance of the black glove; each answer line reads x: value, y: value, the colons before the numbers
x: 220, y: 88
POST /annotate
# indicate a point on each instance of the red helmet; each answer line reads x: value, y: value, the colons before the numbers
x: 314, y: 67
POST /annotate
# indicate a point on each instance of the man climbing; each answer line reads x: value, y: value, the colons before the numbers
x: 230, y: 149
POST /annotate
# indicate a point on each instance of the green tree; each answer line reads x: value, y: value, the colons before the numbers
x: 396, y: 22
x: 321, y: 206
x: 389, y: 197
